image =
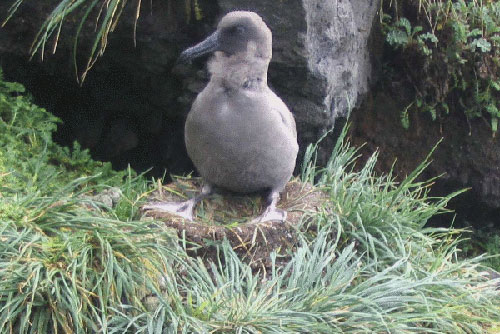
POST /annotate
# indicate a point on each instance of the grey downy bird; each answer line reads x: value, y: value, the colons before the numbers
x: 239, y: 134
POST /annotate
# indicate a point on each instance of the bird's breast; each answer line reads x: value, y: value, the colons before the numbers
x: 238, y: 141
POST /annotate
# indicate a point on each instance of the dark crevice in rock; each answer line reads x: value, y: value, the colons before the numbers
x: 110, y: 114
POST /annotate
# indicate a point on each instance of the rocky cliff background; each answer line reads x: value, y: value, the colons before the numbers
x: 327, y: 62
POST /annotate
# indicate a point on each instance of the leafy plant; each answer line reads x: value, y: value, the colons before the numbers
x: 403, y: 35
x: 28, y: 154
x: 450, y: 57
x: 484, y: 241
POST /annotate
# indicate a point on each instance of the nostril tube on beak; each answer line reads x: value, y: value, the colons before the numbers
x: 210, y: 44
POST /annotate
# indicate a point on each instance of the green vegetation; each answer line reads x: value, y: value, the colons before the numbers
x: 448, y: 53
x: 66, y: 259
x: 69, y: 263
x: 484, y: 241
x: 28, y: 156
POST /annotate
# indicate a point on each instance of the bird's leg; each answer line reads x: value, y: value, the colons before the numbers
x: 271, y: 212
x: 181, y: 209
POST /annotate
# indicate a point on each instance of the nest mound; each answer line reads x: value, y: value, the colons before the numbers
x: 230, y: 217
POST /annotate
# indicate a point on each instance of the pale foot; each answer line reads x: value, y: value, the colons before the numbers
x: 271, y: 214
x: 181, y: 209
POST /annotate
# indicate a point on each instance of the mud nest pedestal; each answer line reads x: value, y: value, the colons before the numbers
x: 230, y: 217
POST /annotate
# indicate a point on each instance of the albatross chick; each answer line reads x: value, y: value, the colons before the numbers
x: 239, y: 134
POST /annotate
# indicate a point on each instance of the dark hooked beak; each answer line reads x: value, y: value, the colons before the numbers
x: 210, y: 44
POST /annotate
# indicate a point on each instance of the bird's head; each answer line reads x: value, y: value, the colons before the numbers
x: 237, y: 32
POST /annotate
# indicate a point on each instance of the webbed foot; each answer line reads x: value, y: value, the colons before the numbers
x: 271, y: 213
x: 181, y: 209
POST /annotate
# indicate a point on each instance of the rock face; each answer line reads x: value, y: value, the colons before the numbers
x: 467, y: 157
x: 336, y: 42
x: 320, y: 68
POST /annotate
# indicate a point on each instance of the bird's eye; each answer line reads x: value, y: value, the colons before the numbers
x: 240, y: 29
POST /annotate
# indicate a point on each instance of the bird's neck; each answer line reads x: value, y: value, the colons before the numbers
x: 239, y: 71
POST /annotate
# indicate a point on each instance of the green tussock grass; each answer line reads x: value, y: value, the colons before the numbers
x: 71, y: 263
x: 67, y: 260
